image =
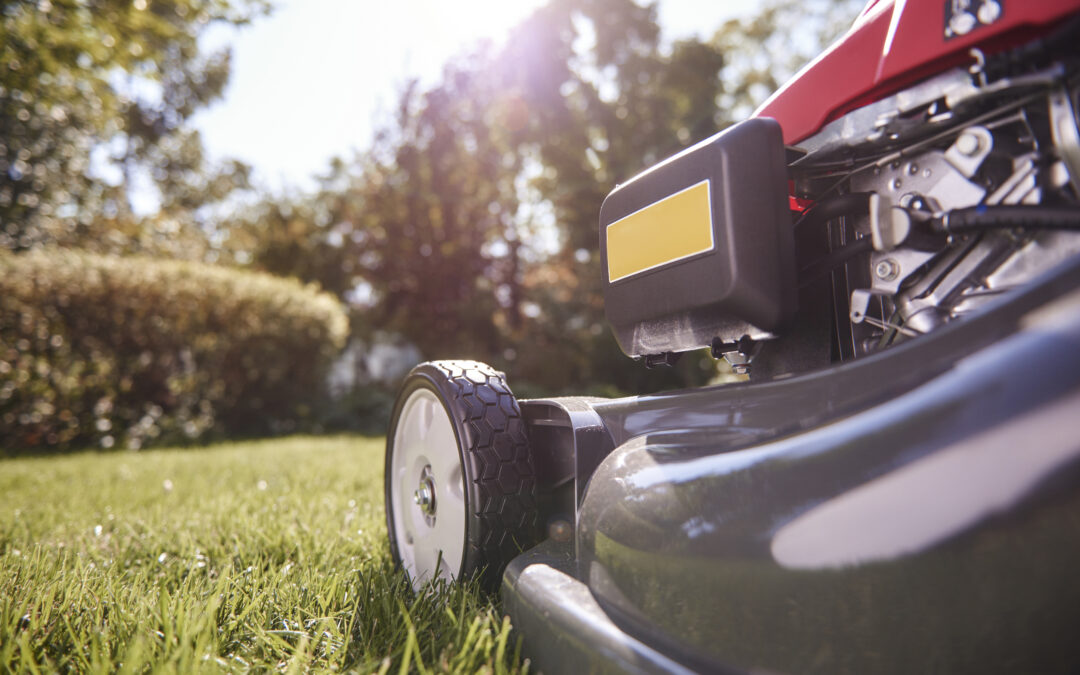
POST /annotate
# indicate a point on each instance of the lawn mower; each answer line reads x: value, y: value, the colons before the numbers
x: 889, y: 249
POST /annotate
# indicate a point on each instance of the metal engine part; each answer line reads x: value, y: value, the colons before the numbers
x: 1019, y: 146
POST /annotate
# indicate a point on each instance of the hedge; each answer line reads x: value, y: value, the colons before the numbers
x: 109, y: 351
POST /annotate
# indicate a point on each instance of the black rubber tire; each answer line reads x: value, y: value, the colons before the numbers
x: 497, y: 465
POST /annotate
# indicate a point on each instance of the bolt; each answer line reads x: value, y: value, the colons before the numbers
x: 424, y: 497
x: 989, y: 12
x: 560, y: 530
x: 968, y: 144
x: 887, y: 269
x: 895, y: 183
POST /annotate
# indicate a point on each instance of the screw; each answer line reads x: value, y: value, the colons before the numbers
x: 887, y: 269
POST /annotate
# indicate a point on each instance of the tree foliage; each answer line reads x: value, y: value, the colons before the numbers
x: 470, y: 225
x: 767, y: 48
x: 96, y: 98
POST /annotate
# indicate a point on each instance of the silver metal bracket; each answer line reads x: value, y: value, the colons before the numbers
x: 970, y: 148
x: 889, y: 225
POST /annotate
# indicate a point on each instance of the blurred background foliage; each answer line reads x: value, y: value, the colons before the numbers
x: 108, y: 350
x: 96, y: 98
x: 468, y: 227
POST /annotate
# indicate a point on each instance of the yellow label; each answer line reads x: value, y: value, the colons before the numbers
x: 676, y: 227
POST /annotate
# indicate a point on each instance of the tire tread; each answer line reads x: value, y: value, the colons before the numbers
x: 503, y: 494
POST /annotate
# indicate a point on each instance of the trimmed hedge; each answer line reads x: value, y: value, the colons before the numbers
x: 109, y: 351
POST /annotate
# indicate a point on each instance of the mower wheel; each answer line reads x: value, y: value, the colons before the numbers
x: 460, y: 481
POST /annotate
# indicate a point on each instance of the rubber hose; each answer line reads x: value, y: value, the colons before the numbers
x: 979, y: 218
x: 843, y: 205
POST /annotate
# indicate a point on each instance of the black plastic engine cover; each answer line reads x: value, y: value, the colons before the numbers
x: 700, y: 246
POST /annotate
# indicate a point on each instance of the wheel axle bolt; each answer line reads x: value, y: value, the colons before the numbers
x: 424, y: 497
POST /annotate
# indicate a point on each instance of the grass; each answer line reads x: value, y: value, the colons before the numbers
x: 260, y: 556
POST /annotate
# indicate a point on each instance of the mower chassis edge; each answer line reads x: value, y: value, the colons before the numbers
x: 989, y: 403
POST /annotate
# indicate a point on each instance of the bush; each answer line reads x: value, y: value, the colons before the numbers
x: 102, y: 350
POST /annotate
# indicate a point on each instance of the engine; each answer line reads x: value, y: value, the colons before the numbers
x: 932, y: 202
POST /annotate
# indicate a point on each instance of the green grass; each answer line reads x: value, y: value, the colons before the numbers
x: 261, y: 556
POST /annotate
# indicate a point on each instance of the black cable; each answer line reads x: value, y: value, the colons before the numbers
x: 973, y: 219
x: 850, y: 204
x: 829, y: 262
x: 1038, y: 51
x: 842, y: 205
x: 982, y: 218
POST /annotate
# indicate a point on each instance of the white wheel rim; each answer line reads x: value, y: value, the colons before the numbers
x: 430, y: 541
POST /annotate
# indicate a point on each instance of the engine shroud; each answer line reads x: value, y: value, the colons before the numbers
x: 700, y: 246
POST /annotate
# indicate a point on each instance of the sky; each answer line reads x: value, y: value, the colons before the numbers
x: 312, y: 80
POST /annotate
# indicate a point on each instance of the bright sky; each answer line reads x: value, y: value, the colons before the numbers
x: 312, y: 80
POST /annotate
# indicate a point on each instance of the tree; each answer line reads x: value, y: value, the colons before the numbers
x: 766, y: 49
x: 303, y: 236
x: 472, y: 220
x: 600, y: 115
x: 95, y: 102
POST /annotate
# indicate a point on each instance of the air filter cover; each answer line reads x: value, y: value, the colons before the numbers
x: 700, y: 246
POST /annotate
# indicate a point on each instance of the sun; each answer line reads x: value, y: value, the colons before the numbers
x: 467, y: 21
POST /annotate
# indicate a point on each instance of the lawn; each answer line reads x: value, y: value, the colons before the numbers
x: 254, y: 556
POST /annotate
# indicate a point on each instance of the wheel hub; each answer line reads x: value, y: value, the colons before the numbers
x: 424, y: 497
x: 426, y: 481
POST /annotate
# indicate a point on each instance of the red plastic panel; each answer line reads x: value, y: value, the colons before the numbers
x: 893, y: 44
